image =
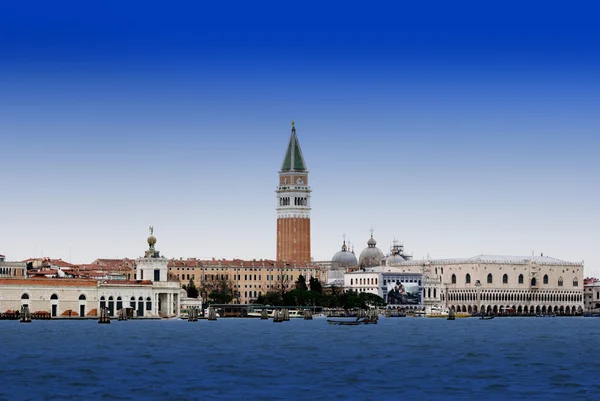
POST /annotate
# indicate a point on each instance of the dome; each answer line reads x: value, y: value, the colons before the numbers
x: 344, y: 258
x: 371, y: 256
x: 394, y: 259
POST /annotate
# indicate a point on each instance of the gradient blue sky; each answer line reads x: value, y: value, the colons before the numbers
x: 457, y: 130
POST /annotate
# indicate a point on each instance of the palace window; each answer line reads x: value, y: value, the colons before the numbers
x: 489, y: 278
x: 453, y: 278
x: 545, y: 279
x: 468, y: 278
x: 533, y: 282
x: 560, y: 281
x: 505, y: 279
x: 575, y: 282
x: 520, y: 279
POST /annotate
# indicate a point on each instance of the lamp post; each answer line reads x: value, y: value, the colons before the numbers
x: 478, y: 285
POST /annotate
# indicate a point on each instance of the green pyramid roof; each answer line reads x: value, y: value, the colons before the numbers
x: 293, y: 160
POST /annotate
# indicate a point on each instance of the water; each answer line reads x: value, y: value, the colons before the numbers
x: 249, y: 359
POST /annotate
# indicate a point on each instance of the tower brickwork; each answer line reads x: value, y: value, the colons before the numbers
x: 293, y: 206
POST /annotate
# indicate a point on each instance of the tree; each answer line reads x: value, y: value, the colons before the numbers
x: 368, y: 300
x: 219, y: 290
x: 349, y: 300
x: 301, y: 283
x: 315, y: 285
x: 270, y: 298
x: 282, y: 283
x: 192, y: 291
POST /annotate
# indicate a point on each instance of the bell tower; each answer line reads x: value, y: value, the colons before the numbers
x: 293, y: 206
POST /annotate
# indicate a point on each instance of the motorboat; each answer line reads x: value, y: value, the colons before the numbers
x: 438, y: 312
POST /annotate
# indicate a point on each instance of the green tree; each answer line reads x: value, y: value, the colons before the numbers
x: 301, y: 283
x: 270, y: 298
x: 349, y: 300
x: 192, y: 290
x: 315, y: 285
x: 368, y: 300
x: 220, y: 291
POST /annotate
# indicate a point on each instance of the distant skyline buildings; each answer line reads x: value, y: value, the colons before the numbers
x: 457, y: 131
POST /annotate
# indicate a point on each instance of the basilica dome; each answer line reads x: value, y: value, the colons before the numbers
x: 344, y: 258
x: 371, y: 256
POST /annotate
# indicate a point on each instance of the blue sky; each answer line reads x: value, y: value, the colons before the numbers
x: 458, y: 131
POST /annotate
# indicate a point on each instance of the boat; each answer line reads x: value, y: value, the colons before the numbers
x: 437, y: 312
x: 292, y: 313
x: 344, y: 322
x: 487, y: 317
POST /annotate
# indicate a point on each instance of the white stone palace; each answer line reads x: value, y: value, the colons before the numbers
x: 520, y: 285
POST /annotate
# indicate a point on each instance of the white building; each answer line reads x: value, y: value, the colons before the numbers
x: 152, y: 294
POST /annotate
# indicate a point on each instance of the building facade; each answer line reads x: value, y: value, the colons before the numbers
x: 592, y: 295
x: 245, y: 280
x: 500, y: 284
x: 293, y: 206
x: 155, y: 295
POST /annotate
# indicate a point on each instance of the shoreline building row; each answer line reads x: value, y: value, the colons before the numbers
x: 484, y: 283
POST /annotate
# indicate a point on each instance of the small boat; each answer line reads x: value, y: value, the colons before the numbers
x: 344, y: 322
x: 437, y: 312
x: 487, y: 317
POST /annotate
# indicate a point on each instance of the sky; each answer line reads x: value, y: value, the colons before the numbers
x: 456, y: 129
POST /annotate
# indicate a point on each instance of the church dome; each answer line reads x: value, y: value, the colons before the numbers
x: 371, y: 256
x: 394, y: 260
x: 344, y: 258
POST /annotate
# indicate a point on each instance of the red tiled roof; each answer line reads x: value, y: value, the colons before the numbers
x: 56, y: 282
x: 236, y: 263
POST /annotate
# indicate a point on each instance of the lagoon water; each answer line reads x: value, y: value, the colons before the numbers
x: 249, y: 359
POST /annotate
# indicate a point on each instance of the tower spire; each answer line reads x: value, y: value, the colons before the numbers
x: 293, y: 160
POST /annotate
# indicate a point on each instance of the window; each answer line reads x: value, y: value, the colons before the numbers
x: 545, y: 279
x: 453, y: 278
x: 560, y: 281
x: 520, y: 279
x: 82, y: 297
x: 533, y: 282
x: 25, y: 296
x: 575, y: 282
x: 54, y: 296
x: 505, y: 279
x: 489, y: 278
x: 156, y: 275
x: 468, y: 278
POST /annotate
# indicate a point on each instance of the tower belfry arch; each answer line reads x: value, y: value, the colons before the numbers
x: 293, y: 205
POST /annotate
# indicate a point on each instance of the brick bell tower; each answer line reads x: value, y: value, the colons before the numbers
x: 293, y: 206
